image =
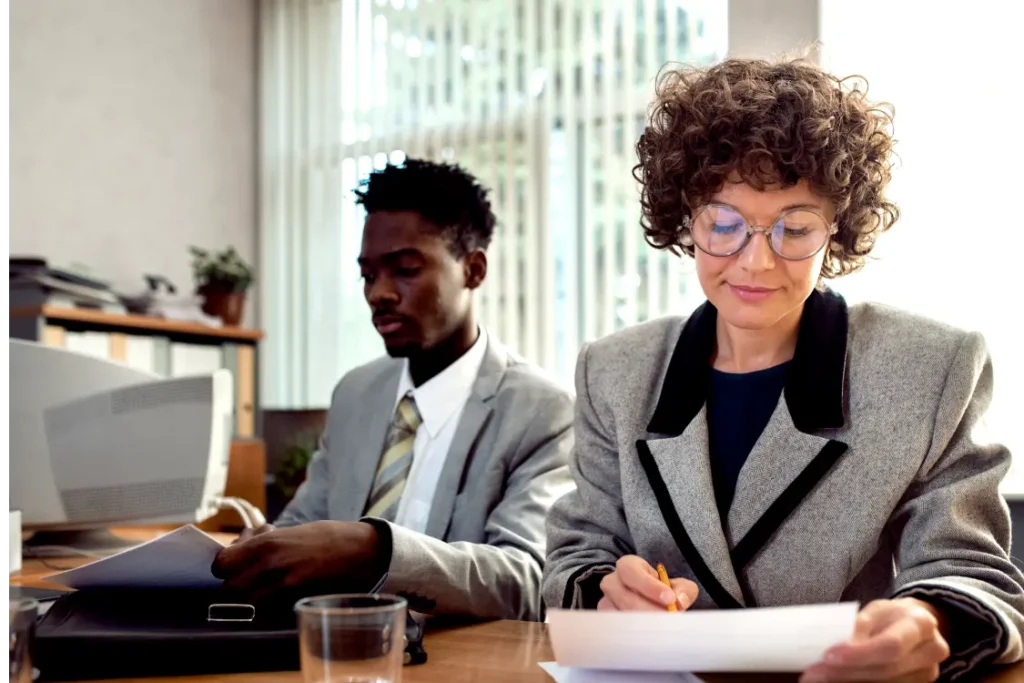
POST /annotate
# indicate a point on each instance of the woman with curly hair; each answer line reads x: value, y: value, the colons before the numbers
x: 778, y: 447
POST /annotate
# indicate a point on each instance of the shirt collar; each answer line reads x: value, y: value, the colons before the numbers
x: 441, y: 397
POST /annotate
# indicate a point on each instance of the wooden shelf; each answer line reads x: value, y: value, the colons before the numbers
x: 139, y: 322
x: 237, y: 346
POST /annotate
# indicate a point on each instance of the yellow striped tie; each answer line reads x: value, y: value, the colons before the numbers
x: 395, y: 461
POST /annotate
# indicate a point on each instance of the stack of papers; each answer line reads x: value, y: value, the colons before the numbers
x: 600, y: 647
x: 180, y: 559
x: 566, y: 675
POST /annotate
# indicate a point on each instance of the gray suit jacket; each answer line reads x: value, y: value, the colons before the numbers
x: 867, y: 482
x: 483, y: 550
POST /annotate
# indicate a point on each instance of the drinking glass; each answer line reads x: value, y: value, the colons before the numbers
x: 352, y: 638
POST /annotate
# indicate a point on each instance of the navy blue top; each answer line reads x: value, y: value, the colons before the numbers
x: 739, y: 408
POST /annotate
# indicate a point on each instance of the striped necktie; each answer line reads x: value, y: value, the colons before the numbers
x: 395, y: 461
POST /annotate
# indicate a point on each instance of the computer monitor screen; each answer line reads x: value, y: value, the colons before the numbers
x: 95, y: 443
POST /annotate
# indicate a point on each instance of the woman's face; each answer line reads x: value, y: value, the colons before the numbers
x: 755, y: 289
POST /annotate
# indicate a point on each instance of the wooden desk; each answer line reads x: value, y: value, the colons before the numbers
x: 495, y: 652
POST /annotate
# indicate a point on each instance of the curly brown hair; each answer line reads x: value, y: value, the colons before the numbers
x: 769, y: 123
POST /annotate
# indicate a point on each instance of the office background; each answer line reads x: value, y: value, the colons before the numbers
x: 139, y: 127
x: 544, y: 100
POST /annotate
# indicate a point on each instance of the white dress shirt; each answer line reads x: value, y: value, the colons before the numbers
x: 440, y: 402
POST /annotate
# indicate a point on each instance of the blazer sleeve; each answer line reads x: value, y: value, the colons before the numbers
x: 499, y: 578
x: 952, y: 528
x: 587, y: 530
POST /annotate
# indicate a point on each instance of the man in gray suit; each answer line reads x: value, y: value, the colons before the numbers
x: 438, y: 464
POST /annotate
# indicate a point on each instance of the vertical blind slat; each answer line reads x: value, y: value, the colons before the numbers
x: 610, y: 279
x: 591, y: 213
x: 511, y: 293
x: 623, y: 182
x: 532, y: 175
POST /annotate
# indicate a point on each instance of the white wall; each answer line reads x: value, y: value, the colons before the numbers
x: 954, y: 78
x: 132, y: 132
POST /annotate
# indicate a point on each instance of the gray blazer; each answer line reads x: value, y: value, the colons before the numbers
x: 867, y: 482
x: 483, y: 550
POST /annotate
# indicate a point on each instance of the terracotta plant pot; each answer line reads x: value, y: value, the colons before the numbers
x: 226, y: 304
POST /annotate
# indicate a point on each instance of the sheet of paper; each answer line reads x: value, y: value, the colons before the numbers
x: 565, y: 675
x: 774, y: 639
x: 180, y: 559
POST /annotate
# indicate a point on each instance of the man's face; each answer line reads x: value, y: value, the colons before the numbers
x: 418, y: 290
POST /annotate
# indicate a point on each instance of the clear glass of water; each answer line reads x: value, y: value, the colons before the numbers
x: 23, y: 627
x: 352, y: 638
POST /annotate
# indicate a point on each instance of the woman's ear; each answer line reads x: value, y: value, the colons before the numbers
x: 475, y: 265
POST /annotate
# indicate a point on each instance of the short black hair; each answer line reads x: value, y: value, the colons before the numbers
x: 444, y: 194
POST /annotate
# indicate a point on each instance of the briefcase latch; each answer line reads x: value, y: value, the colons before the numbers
x: 227, y: 611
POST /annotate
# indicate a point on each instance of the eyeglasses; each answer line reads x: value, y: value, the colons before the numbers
x: 720, y: 230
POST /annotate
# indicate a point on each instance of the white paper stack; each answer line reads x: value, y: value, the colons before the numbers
x: 180, y: 559
x: 566, y: 675
x: 773, y: 639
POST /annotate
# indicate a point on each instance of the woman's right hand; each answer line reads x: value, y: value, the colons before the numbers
x: 635, y: 586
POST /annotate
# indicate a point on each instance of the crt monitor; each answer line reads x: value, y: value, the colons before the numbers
x: 95, y: 443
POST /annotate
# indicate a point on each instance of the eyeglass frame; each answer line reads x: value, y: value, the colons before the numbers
x: 752, y: 230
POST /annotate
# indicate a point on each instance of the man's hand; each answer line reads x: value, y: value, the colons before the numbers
x: 894, y: 640
x: 634, y: 586
x: 248, y: 533
x: 307, y: 559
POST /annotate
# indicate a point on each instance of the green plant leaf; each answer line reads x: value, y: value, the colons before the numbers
x: 220, y: 270
x: 297, y: 456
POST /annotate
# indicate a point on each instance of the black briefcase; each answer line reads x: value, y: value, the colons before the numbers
x: 122, y: 634
x: 94, y: 634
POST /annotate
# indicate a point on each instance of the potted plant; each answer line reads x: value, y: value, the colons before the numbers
x: 222, y: 279
x: 292, y: 471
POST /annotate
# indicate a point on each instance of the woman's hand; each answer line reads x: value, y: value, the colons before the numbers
x: 634, y: 586
x: 894, y: 640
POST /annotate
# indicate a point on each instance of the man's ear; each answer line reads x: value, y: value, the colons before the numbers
x: 475, y: 265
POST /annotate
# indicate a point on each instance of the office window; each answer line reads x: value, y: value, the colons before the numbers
x: 952, y: 256
x: 542, y: 100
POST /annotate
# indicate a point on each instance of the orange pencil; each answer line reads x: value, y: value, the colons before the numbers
x: 663, y: 575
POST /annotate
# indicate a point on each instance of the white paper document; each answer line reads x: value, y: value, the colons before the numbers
x: 180, y: 559
x: 772, y: 639
x: 562, y: 674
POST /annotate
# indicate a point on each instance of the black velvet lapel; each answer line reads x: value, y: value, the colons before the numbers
x: 685, y: 388
x: 814, y: 383
x: 816, y: 380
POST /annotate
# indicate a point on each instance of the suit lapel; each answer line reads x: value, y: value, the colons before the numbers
x: 474, y: 418
x: 779, y: 456
x: 784, y: 467
x: 372, y: 417
x: 789, y: 459
x: 681, y: 462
